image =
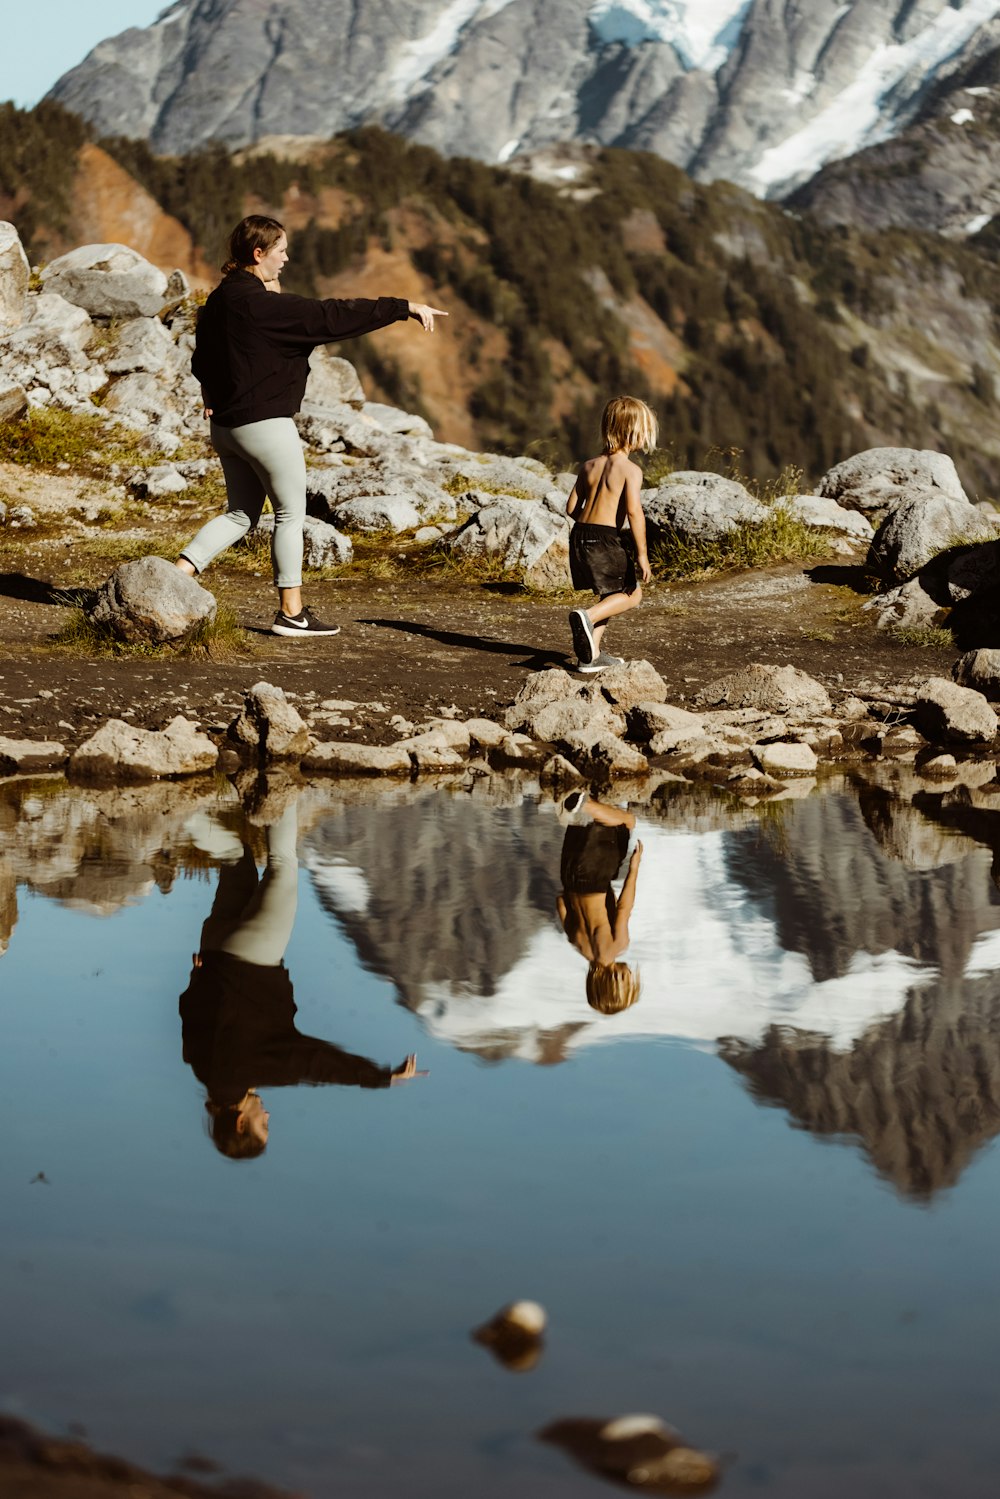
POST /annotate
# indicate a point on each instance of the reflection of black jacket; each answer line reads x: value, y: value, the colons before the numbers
x: 239, y: 1032
x: 252, y: 346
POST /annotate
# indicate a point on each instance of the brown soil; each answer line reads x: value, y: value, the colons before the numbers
x: 414, y: 645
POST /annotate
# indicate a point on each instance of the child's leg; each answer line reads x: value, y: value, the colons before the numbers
x: 608, y: 607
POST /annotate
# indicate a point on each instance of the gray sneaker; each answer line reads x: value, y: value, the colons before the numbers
x: 583, y: 636
x: 602, y: 662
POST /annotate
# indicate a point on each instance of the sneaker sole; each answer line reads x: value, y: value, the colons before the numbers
x: 289, y: 631
x: 590, y: 668
x: 583, y: 641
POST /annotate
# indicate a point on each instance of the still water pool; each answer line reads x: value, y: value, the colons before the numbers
x: 762, y: 1200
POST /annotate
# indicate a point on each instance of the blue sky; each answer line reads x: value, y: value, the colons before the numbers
x: 44, y: 39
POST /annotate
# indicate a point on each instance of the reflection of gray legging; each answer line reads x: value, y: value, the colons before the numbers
x: 253, y: 920
x: 259, y: 460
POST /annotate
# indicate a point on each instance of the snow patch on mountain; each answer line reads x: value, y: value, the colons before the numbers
x: 419, y: 56
x: 702, y: 32
x: 857, y: 117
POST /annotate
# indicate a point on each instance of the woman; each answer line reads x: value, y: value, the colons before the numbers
x: 252, y: 359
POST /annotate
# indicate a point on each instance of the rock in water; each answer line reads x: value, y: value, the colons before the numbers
x: 515, y: 1335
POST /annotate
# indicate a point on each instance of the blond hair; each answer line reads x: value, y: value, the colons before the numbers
x: 628, y: 423
x: 612, y: 987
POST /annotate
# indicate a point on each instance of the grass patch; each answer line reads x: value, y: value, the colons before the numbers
x: 221, y: 639
x: 47, y: 438
x: 933, y: 637
x: 459, y: 484
x: 782, y: 537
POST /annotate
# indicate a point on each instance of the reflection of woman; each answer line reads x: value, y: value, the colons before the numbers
x: 238, y: 1014
x: 252, y: 358
x: 596, y: 846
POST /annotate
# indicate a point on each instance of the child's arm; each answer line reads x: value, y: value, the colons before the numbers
x: 637, y: 519
x: 627, y: 898
x: 573, y: 498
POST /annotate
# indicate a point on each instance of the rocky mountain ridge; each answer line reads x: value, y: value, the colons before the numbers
x: 761, y: 93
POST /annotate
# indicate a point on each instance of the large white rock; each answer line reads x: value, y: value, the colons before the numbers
x: 783, y: 759
x: 30, y: 755
x: 358, y: 759
x: 924, y: 523
x: 152, y: 600
x: 877, y: 480
x: 14, y: 276
x: 908, y: 607
x: 270, y: 725
x: 947, y: 713
x: 140, y: 344
x: 333, y: 382
x: 121, y: 752
x: 518, y: 534
x: 108, y: 280
x: 775, y: 689
x: 826, y: 515
x: 700, y: 506
x: 979, y: 670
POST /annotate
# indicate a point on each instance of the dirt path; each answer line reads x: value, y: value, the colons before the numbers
x: 412, y: 647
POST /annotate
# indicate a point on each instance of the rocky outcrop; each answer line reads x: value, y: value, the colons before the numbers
x: 108, y: 281
x: 880, y: 479
x: 773, y: 689
x: 14, y: 276
x: 700, y: 507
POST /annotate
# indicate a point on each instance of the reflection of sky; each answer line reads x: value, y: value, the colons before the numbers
x: 305, y: 1318
x: 710, y: 960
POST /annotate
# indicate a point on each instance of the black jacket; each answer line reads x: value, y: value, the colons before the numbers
x: 239, y: 1032
x: 252, y: 346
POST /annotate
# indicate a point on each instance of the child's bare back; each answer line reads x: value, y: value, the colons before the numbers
x: 603, y: 487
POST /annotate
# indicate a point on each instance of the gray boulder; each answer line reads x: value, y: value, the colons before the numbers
x: 947, y: 713
x: 973, y: 570
x: 390, y: 512
x: 523, y: 536
x: 14, y: 276
x: 597, y: 752
x: 700, y: 506
x: 647, y: 719
x: 979, y: 670
x: 520, y: 478
x: 630, y: 684
x: 908, y: 607
x: 141, y: 343
x: 13, y: 401
x: 877, y: 480
x: 30, y: 755
x: 783, y: 759
x: 322, y: 544
x: 270, y: 725
x: 110, y: 281
x: 141, y: 397
x: 333, y: 382
x: 121, y: 752
x: 826, y: 515
x: 774, y: 689
x: 391, y: 419
x: 922, y: 524
x: 358, y: 759
x: 152, y: 600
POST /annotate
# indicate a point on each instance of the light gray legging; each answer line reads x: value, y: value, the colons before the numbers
x: 260, y: 460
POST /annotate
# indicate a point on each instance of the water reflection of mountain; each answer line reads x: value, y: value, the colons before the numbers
x: 920, y: 1090
x: 441, y: 890
x: 842, y: 875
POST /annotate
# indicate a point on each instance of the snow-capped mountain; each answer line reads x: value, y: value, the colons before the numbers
x: 763, y: 92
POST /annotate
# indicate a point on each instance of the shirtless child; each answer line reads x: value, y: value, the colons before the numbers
x: 595, y: 921
x: 601, y: 556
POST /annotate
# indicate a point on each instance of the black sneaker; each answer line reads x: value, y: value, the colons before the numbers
x: 583, y: 636
x: 305, y: 623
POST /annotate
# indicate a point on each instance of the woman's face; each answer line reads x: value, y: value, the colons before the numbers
x: 271, y: 263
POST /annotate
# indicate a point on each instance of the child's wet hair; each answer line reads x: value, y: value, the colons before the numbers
x: 628, y: 423
x: 612, y: 987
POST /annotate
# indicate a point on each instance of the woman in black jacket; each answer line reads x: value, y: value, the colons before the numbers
x: 252, y: 359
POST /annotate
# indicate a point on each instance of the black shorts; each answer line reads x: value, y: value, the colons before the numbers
x: 592, y: 857
x: 602, y: 558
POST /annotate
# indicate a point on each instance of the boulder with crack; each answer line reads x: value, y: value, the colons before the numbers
x: 947, y: 713
x: 879, y: 479
x: 522, y: 536
x: 270, y: 726
x: 924, y: 523
x: 775, y: 689
x: 108, y: 280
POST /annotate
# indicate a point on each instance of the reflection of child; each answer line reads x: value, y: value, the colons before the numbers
x: 595, y: 921
x: 601, y: 556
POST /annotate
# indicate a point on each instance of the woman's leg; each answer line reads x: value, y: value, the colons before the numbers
x: 274, y: 449
x: 245, y: 492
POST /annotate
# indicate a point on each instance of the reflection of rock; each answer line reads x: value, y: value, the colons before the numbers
x: 8, y: 905
x: 638, y: 1452
x: 442, y: 891
x: 920, y: 1090
x: 827, y: 875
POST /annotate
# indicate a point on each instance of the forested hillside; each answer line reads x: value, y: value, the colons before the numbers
x: 746, y: 326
